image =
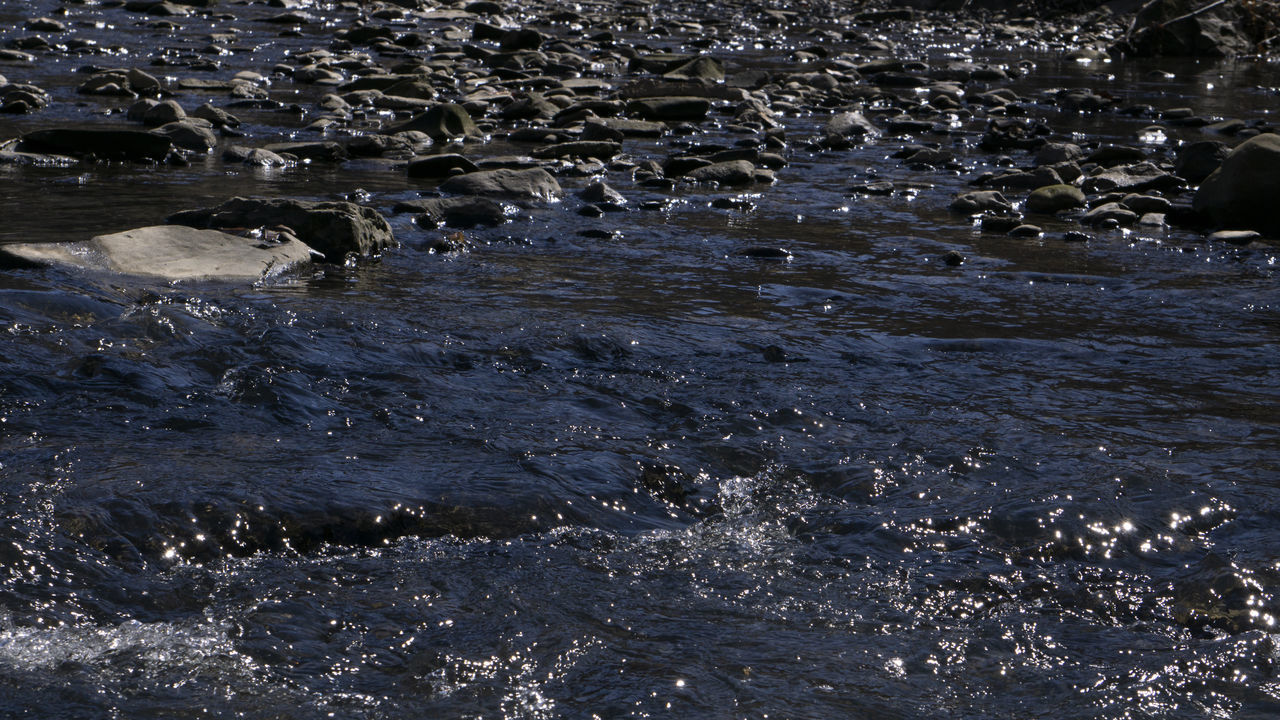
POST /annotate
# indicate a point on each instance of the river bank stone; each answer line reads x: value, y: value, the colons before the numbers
x: 1054, y: 198
x: 1242, y: 193
x: 171, y: 253
x: 443, y: 122
x: 333, y: 229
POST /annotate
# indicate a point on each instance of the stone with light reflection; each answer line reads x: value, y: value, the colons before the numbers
x: 1242, y: 193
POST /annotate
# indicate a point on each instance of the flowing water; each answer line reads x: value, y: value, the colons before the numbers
x: 633, y: 473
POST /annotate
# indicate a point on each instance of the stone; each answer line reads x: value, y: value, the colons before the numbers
x: 332, y: 228
x: 257, y: 157
x: 1135, y: 178
x: 981, y: 201
x: 172, y: 253
x: 190, y: 134
x: 438, y: 167
x: 322, y: 151
x: 1054, y: 198
x: 600, y: 192
x: 458, y: 212
x: 1109, y: 213
x: 690, y: 109
x: 600, y: 150
x: 1202, y: 35
x: 447, y: 121
x: 1235, y: 237
x: 1026, y: 230
x: 1197, y: 160
x: 1242, y: 193
x: 851, y: 124
x: 528, y: 185
x: 733, y: 172
x: 699, y: 68
x: 135, y: 145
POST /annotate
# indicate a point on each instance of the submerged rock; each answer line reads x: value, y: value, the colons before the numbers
x: 459, y: 212
x: 171, y: 252
x: 331, y: 228
x: 100, y: 144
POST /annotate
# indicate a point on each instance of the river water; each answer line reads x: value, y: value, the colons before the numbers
x: 614, y: 468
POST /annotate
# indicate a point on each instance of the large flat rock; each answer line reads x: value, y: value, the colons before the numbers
x: 169, y: 252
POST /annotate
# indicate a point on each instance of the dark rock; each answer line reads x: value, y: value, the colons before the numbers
x: 1198, y: 160
x: 999, y: 223
x: 765, y: 253
x: 692, y: 109
x: 459, y: 212
x: 101, y: 144
x: 1109, y: 213
x: 438, y: 167
x: 443, y: 122
x: 257, y: 157
x: 332, y: 228
x: 953, y: 258
x: 599, y: 192
x: 699, y: 68
x: 851, y: 124
x: 323, y: 151
x: 1203, y: 35
x: 1243, y: 192
x: 530, y: 184
x: 1133, y: 178
x: 1023, y: 231
x: 190, y: 134
x: 1235, y: 237
x: 580, y: 149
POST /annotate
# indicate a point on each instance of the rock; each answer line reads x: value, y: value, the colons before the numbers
x: 599, y: 192
x: 190, y: 134
x: 257, y: 157
x: 1109, y: 212
x: 999, y: 223
x: 447, y: 121
x: 322, y: 151
x: 136, y: 145
x: 1052, y: 153
x: 530, y: 184
x: 1053, y: 198
x: 1143, y: 204
x: 438, y: 167
x: 1198, y: 160
x: 1203, y: 35
x: 734, y: 172
x: 171, y: 252
x: 332, y: 228
x: 851, y: 124
x: 581, y: 149
x: 1243, y: 192
x: 1235, y: 237
x: 1026, y: 180
x: 1140, y: 177
x: 699, y: 68
x: 691, y: 109
x: 459, y: 212
x: 1022, y: 231
x: 981, y: 201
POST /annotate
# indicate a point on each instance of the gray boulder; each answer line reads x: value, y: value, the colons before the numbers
x: 692, y: 109
x: 458, y: 212
x: 733, y: 172
x: 436, y: 167
x: 1198, y: 160
x: 1242, y: 193
x: 171, y: 252
x: 530, y: 184
x: 1052, y: 198
x: 331, y: 228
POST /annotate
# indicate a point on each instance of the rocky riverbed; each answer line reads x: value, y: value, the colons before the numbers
x: 373, y: 359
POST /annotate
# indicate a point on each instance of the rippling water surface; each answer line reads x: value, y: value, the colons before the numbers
x: 635, y: 474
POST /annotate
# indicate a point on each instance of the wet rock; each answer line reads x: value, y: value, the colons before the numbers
x: 1052, y: 153
x: 171, y: 252
x: 1025, y: 179
x: 851, y: 125
x: 580, y: 149
x: 699, y: 68
x: 1235, y: 237
x: 690, y: 109
x: 734, y: 172
x: 129, y: 82
x: 1055, y: 198
x: 21, y: 99
x: 1013, y: 134
x: 332, y: 228
x: 599, y: 192
x: 530, y: 184
x: 458, y: 212
x: 533, y: 106
x: 134, y: 145
x: 1203, y: 35
x: 1143, y: 204
x: 764, y: 252
x: 398, y: 147
x: 1132, y: 178
x: 190, y: 134
x: 1025, y: 231
x: 257, y: 157
x: 447, y: 121
x: 1109, y: 213
x: 438, y: 167
x: 999, y: 223
x: 971, y: 203
x: 1198, y: 160
x: 1242, y: 192
x: 953, y: 258
x: 322, y: 151
x: 1111, y: 155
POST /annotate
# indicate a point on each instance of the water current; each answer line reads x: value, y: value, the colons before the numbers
x: 613, y: 468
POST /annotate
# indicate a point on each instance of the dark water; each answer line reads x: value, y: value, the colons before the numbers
x: 640, y: 475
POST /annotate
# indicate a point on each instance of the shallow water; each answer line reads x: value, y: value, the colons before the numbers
x: 639, y: 475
